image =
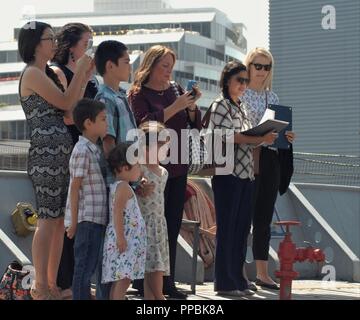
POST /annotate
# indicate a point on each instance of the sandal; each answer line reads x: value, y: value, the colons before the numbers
x: 66, y: 294
x: 55, y: 293
x: 40, y: 292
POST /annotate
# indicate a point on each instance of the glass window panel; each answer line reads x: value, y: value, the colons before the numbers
x: 3, y: 57
x: 4, y: 130
x: 12, y: 133
x: 21, y: 133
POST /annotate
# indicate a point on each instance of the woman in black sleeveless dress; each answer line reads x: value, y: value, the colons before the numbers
x: 44, y: 102
x: 72, y: 43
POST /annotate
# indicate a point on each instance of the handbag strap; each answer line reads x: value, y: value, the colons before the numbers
x: 206, y: 118
x: 175, y: 88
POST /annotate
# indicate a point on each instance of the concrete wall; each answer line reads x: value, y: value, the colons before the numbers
x: 329, y: 216
x: 340, y: 207
x: 320, y: 227
x: 16, y: 187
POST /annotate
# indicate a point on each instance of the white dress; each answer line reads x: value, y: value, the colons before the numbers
x: 152, y: 209
x: 131, y: 263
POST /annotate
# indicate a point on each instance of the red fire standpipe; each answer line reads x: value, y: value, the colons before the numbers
x: 288, y: 255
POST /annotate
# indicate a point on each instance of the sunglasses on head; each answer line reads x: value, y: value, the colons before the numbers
x: 259, y: 66
x: 242, y: 80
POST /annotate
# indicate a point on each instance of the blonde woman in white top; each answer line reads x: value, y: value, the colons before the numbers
x: 275, y: 166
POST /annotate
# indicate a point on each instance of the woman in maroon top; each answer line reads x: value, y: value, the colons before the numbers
x: 154, y: 97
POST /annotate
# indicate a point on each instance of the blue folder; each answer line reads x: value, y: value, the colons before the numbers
x: 283, y: 113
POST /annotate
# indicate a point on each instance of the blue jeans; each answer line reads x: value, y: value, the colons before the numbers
x: 87, y: 246
x: 102, y: 289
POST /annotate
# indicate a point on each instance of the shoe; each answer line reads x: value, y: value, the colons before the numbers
x: 232, y: 293
x: 66, y: 294
x: 263, y: 284
x: 248, y: 292
x: 92, y: 294
x: 252, y: 286
x: 175, y: 293
x: 55, y: 293
x: 139, y: 292
x: 40, y: 293
x: 139, y: 286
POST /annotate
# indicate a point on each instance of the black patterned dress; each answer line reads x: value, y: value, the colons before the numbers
x: 49, y: 154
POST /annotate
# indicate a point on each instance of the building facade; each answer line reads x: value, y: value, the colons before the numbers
x: 203, y: 39
x: 104, y: 6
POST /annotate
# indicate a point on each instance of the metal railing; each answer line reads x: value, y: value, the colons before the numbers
x: 13, y: 155
x: 327, y: 168
x: 308, y: 167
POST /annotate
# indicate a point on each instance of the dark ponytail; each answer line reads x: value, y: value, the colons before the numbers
x: 53, y: 76
x: 68, y: 37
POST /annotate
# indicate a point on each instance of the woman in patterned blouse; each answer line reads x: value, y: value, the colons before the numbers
x: 233, y: 189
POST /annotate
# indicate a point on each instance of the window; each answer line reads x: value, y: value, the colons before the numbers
x: 4, y: 130
x: 183, y: 77
x: 204, y: 83
x: 13, y: 131
x: 196, y: 27
x: 231, y: 35
x: 9, y: 75
x: 214, y: 57
x: 3, y: 57
x: 21, y: 130
x: 9, y: 99
x: 27, y: 131
x: 194, y: 53
x: 12, y: 56
x: 206, y: 29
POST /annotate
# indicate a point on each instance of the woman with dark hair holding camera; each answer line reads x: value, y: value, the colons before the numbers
x: 72, y: 42
x: 44, y: 102
x: 233, y: 191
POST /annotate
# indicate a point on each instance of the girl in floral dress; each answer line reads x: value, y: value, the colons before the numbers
x: 125, y: 238
x: 152, y: 208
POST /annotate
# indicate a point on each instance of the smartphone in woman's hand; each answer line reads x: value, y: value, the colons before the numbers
x: 89, y: 49
x: 189, y: 87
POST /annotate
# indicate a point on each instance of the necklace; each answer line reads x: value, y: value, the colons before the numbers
x: 159, y: 93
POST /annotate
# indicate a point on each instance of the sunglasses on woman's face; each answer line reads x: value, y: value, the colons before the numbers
x: 242, y: 80
x: 259, y: 66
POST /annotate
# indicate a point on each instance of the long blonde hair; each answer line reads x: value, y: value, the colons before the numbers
x: 151, y: 58
x: 250, y: 57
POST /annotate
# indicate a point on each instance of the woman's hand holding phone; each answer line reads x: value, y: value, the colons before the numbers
x: 194, y: 91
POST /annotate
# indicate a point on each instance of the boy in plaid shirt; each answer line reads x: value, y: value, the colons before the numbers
x: 86, y: 208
